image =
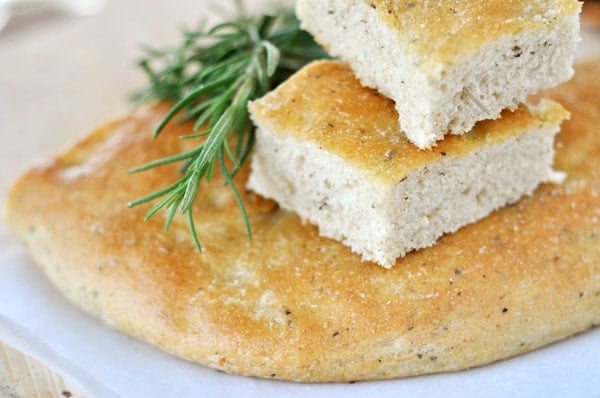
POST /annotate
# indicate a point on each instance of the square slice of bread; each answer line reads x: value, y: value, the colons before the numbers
x: 329, y: 149
x: 449, y: 64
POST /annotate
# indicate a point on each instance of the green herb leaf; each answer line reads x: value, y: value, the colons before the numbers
x: 210, y: 78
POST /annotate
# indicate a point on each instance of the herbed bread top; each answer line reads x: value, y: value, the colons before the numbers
x: 290, y: 304
x: 326, y: 105
x: 445, y: 30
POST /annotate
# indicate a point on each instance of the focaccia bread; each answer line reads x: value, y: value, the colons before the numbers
x: 289, y: 304
x: 329, y: 149
x: 449, y: 64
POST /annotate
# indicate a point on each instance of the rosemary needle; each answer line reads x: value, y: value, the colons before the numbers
x: 210, y: 78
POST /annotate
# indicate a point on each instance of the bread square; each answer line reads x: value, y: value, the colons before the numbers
x: 330, y: 149
x: 449, y: 64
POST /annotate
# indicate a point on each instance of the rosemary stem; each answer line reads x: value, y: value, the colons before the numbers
x: 210, y: 78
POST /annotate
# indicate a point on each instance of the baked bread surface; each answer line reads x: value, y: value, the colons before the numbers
x: 288, y: 304
x: 328, y: 149
x: 326, y: 105
x: 449, y: 64
x: 442, y: 32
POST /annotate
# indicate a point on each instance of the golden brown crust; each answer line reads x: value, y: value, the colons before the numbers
x: 425, y: 26
x: 325, y: 104
x: 289, y: 304
x: 590, y: 15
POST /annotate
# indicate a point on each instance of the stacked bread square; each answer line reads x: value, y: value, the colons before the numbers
x: 453, y: 141
x: 448, y: 64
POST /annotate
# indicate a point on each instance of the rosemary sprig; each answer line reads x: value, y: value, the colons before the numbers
x: 210, y: 78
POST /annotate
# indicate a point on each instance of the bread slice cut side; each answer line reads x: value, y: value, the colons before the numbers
x: 384, y: 201
x: 447, y: 66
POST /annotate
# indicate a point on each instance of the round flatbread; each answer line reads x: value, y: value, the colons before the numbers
x: 289, y: 304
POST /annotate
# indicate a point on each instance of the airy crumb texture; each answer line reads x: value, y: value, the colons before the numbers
x: 326, y: 150
x: 288, y: 304
x: 449, y: 64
